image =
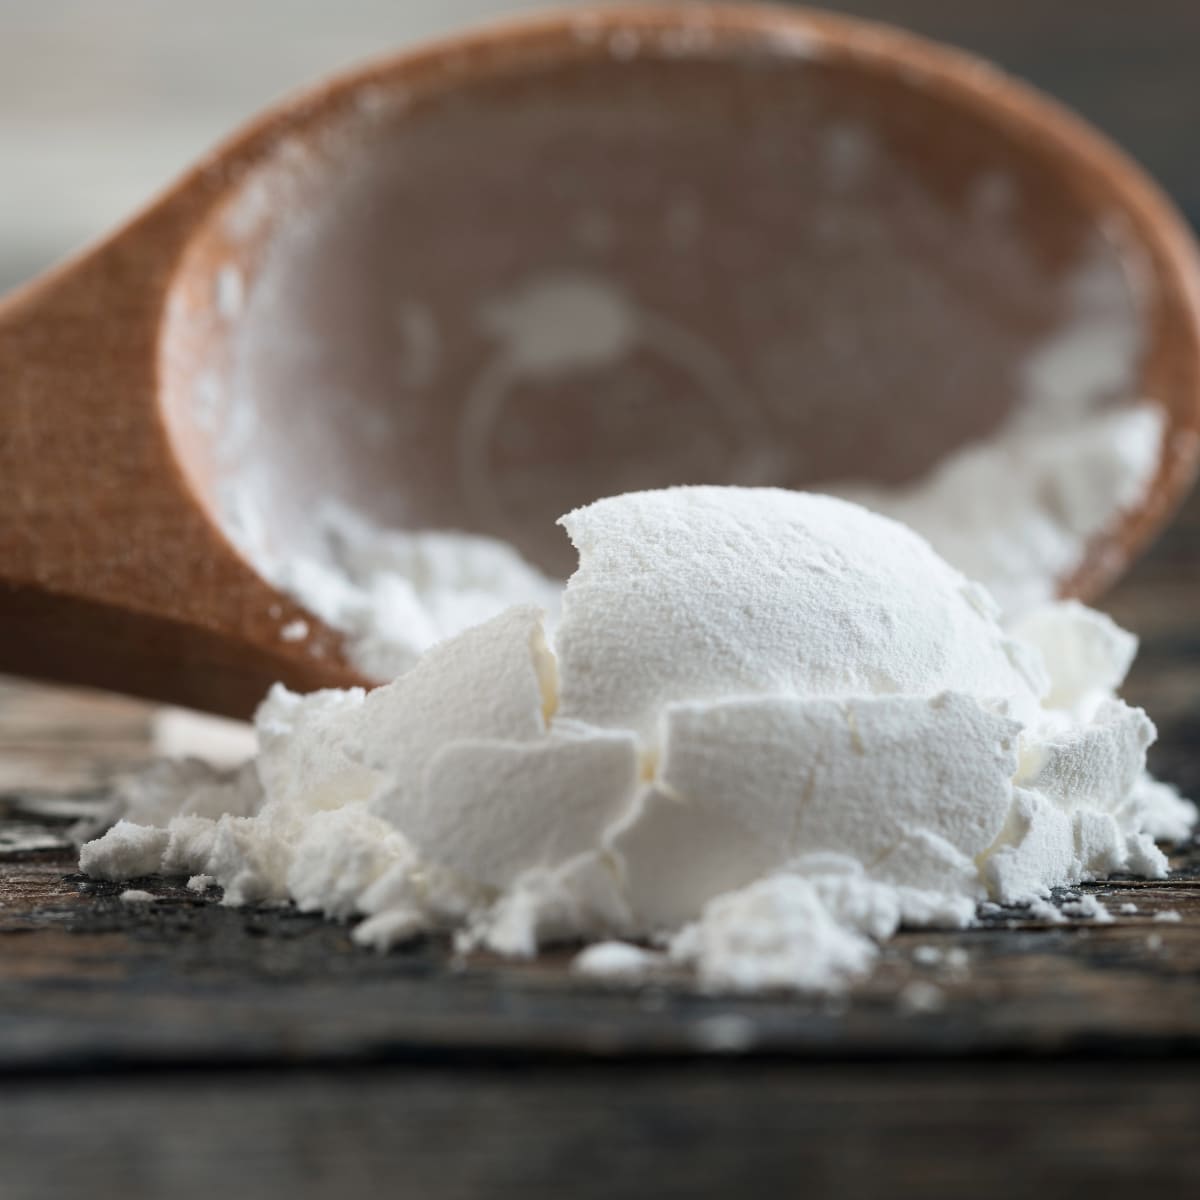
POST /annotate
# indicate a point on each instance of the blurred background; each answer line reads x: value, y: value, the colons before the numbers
x: 102, y: 102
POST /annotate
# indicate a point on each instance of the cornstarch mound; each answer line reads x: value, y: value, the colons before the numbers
x: 772, y: 728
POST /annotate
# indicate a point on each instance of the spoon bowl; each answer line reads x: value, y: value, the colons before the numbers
x: 478, y: 284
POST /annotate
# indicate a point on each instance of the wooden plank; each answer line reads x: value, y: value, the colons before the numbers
x: 57, y: 739
x: 664, y: 1132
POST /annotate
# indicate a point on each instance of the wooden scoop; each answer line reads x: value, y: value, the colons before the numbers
x: 474, y: 285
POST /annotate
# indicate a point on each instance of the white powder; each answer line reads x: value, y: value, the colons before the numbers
x: 773, y: 728
x: 956, y: 959
x: 921, y: 997
x: 128, y: 850
x: 1041, y: 909
x: 395, y: 594
x: 1018, y: 510
x: 953, y: 958
x: 617, y: 961
x: 1088, y: 908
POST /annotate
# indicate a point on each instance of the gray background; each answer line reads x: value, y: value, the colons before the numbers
x: 102, y: 102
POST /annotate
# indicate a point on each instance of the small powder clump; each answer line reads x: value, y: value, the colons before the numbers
x: 773, y: 728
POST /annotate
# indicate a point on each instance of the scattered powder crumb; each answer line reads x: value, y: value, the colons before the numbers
x: 136, y: 896
x: 953, y: 958
x: 200, y: 883
x: 129, y: 850
x: 1040, y: 909
x: 1168, y: 915
x: 727, y: 1033
x: 1154, y: 941
x: 1088, y: 908
x: 616, y: 960
x: 1128, y: 909
x: 920, y: 996
x: 294, y: 631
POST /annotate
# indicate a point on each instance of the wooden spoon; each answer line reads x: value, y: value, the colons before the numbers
x: 840, y: 244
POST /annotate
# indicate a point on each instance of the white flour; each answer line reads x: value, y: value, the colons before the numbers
x: 394, y: 593
x: 774, y: 728
x: 1018, y: 510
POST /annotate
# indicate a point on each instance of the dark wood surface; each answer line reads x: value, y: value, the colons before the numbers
x: 180, y: 1048
x: 184, y: 1050
x: 91, y: 981
x: 665, y: 1132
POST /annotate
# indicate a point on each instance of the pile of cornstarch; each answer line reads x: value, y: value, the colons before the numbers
x: 773, y: 727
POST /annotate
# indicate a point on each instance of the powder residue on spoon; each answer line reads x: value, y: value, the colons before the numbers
x: 772, y: 728
x: 1019, y: 510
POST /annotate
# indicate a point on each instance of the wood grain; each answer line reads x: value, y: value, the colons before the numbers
x: 664, y: 1132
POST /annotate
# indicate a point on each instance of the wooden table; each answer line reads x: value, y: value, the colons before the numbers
x: 182, y: 1050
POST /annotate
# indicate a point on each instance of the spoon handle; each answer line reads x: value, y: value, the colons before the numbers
x: 78, y: 452
x: 111, y: 575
